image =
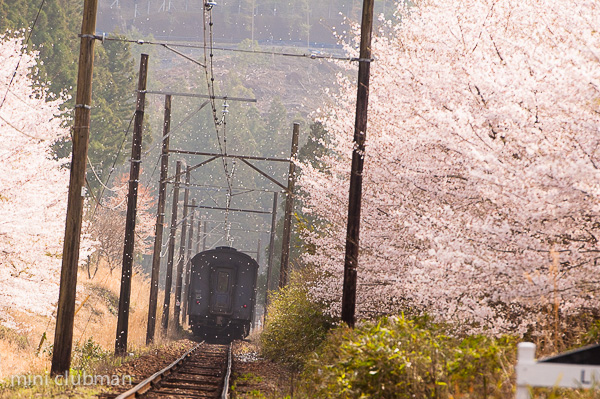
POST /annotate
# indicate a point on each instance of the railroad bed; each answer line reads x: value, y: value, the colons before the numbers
x: 202, y: 372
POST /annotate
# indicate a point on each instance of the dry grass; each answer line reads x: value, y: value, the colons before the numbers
x: 27, y: 351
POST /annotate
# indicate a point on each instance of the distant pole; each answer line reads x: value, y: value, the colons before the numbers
x: 199, y: 235
x: 132, y: 195
x: 289, y: 209
x: 63, y: 336
x: 160, y: 223
x: 183, y: 238
x: 205, y: 227
x: 254, y: 314
x: 355, y: 195
x: 271, y: 247
x: 258, y: 252
x: 171, y: 251
x: 188, y: 261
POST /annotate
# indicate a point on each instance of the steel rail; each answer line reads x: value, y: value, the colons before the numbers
x: 155, y: 378
x: 225, y: 392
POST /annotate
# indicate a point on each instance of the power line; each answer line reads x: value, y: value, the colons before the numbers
x: 111, y: 169
x: 22, y: 53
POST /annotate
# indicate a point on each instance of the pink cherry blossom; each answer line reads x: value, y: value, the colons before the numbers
x: 482, y: 161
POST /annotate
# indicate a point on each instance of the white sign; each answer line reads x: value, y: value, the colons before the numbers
x: 535, y: 374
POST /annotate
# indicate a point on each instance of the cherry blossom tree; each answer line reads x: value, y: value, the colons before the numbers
x: 108, y: 224
x: 33, y: 186
x: 481, y: 186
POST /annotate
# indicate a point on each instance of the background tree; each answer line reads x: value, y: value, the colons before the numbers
x: 108, y: 223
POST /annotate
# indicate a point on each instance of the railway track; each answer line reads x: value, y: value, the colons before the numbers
x: 202, y: 372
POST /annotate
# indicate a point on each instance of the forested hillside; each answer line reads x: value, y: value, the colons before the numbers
x: 280, y: 22
x: 54, y: 35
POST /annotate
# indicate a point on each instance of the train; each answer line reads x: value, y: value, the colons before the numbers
x: 221, y: 294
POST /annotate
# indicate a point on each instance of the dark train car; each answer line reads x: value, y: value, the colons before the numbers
x: 222, y: 294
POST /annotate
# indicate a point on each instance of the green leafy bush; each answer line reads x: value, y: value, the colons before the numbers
x: 296, y: 325
x: 86, y: 355
x: 402, y: 358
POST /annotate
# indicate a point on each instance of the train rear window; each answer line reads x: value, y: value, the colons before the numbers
x: 222, y: 282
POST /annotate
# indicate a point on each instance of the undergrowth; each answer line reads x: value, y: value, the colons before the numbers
x: 401, y: 357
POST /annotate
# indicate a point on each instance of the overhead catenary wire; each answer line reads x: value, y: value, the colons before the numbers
x: 218, y: 122
x: 312, y: 56
x: 173, y: 130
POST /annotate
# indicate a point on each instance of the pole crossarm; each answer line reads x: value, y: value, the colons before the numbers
x: 264, y: 174
x: 235, y: 156
x: 243, y: 190
x: 248, y: 100
x: 218, y: 208
x: 169, y: 179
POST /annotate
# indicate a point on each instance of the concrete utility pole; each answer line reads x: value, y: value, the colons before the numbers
x: 358, y: 154
x: 63, y: 336
x: 289, y: 209
x: 160, y: 223
x: 134, y: 177
x: 171, y: 253
x: 183, y: 238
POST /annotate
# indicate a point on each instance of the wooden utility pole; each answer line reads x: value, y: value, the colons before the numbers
x: 63, y: 336
x: 271, y: 248
x: 183, y: 238
x: 160, y: 223
x: 134, y: 177
x: 289, y: 209
x: 358, y: 154
x: 188, y: 262
x: 171, y: 253
x: 205, y: 231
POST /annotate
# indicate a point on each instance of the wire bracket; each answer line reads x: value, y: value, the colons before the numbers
x: 85, y: 106
x: 362, y: 59
x: 102, y: 37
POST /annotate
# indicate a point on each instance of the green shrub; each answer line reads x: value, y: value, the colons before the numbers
x: 401, y: 358
x: 482, y: 366
x: 86, y: 355
x: 295, y: 326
